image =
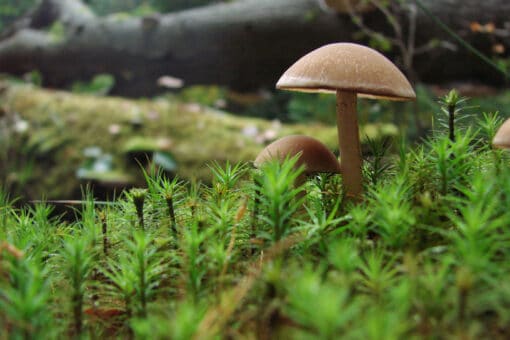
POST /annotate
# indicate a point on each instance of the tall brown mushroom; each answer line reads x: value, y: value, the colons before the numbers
x: 313, y: 155
x: 348, y: 70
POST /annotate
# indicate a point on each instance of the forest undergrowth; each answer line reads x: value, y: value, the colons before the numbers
x: 424, y: 254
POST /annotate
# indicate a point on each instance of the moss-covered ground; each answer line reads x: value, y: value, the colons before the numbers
x: 423, y: 253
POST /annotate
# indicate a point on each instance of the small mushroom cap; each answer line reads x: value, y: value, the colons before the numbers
x: 347, y: 67
x: 502, y: 138
x: 314, y: 155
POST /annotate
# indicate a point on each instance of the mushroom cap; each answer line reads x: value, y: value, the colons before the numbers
x: 502, y: 138
x: 347, y: 67
x: 314, y: 155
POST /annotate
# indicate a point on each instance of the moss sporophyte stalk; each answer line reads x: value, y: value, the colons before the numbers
x: 452, y: 107
x: 104, y: 230
x: 138, y: 196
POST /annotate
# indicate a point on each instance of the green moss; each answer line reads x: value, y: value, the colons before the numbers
x: 57, y: 32
x: 106, y: 177
x: 141, y: 144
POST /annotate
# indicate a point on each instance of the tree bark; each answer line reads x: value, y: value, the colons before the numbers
x: 243, y: 44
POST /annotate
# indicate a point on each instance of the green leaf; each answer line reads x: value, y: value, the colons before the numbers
x: 100, y: 85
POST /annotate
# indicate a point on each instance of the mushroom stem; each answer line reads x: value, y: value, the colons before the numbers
x: 348, y: 141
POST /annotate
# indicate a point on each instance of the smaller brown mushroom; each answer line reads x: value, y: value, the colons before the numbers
x: 313, y: 155
x: 502, y: 138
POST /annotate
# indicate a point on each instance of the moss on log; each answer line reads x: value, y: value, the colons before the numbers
x: 54, y: 130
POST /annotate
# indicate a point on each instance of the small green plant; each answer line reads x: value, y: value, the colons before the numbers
x: 194, y: 199
x: 169, y: 190
x: 138, y: 197
x: 360, y: 221
x: 278, y: 197
x: 451, y: 106
x: 376, y: 273
x: 393, y: 219
x: 449, y: 162
x: 322, y: 223
x: 194, y: 259
x: 222, y: 224
x: 325, y: 192
x: 433, y: 296
x: 383, y: 323
x: 5, y: 211
x: 376, y: 165
x: 34, y: 230
x: 489, y: 124
x: 224, y: 179
x: 320, y: 307
x: 123, y: 279
x: 25, y: 299
x: 147, y: 267
x: 99, y: 85
x: 164, y: 196
x: 343, y: 255
x: 135, y: 273
x: 478, y: 222
x: 77, y: 260
x: 104, y: 231
x: 182, y: 324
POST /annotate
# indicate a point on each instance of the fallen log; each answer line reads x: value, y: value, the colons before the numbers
x: 242, y: 44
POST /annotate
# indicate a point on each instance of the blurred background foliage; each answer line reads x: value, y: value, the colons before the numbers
x: 269, y: 104
x: 11, y: 9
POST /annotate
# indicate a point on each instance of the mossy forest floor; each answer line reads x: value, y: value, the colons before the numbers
x: 54, y: 142
x: 424, y: 253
